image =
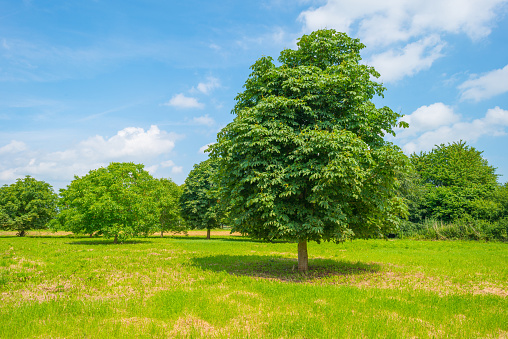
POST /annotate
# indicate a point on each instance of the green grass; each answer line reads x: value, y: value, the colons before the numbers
x: 73, y: 287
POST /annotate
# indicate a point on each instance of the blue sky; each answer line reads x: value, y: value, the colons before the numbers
x: 84, y: 83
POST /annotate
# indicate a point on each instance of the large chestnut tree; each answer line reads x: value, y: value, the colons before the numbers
x: 305, y: 158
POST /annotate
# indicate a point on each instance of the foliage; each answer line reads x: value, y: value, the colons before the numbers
x: 116, y: 201
x: 27, y: 204
x: 501, y: 198
x: 412, y: 191
x: 457, y: 182
x: 199, y: 198
x: 166, y: 195
x: 465, y: 228
x: 305, y: 157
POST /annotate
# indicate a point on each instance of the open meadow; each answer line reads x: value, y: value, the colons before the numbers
x: 59, y: 285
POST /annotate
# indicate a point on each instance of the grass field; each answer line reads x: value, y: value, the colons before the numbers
x: 56, y: 286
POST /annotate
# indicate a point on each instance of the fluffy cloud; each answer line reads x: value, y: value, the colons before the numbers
x: 486, y: 86
x: 208, y: 86
x: 202, y: 149
x: 129, y: 144
x: 405, y: 36
x: 181, y: 101
x: 177, y: 169
x: 167, y: 163
x: 394, y: 64
x: 385, y: 22
x: 13, y: 147
x: 428, y: 118
x: 204, y: 120
x: 448, y: 129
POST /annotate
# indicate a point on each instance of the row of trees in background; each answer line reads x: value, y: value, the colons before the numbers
x: 119, y: 201
x: 452, y: 184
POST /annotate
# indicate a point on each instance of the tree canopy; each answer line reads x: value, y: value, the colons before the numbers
x: 457, y: 182
x: 166, y: 195
x: 199, y: 198
x: 305, y: 158
x: 116, y: 201
x: 27, y: 204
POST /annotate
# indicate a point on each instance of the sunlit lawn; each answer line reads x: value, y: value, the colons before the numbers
x: 230, y: 286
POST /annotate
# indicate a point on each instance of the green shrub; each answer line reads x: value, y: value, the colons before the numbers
x: 465, y: 228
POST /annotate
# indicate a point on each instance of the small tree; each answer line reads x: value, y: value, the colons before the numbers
x: 305, y: 158
x: 27, y: 204
x: 166, y: 196
x: 115, y: 201
x: 199, y: 198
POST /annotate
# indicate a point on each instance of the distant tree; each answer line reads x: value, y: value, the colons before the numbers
x: 199, y: 202
x: 305, y: 159
x: 115, y: 201
x: 501, y: 197
x: 166, y: 195
x: 457, y: 182
x: 413, y: 192
x: 27, y: 204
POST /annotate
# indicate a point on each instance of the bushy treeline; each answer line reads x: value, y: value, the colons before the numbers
x: 453, y: 193
x: 119, y: 201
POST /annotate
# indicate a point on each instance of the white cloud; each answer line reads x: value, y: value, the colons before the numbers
x: 208, y: 86
x: 13, y: 147
x: 167, y: 163
x: 204, y: 120
x: 174, y: 169
x: 490, y: 84
x: 404, y: 36
x: 393, y: 65
x: 494, y: 123
x: 389, y: 21
x: 9, y: 175
x: 129, y: 144
x: 177, y: 169
x: 152, y: 169
x: 181, y: 101
x: 202, y: 149
x: 428, y: 118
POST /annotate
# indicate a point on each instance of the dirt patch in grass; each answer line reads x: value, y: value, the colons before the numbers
x: 386, y: 279
x: 491, y: 290
x: 190, y: 326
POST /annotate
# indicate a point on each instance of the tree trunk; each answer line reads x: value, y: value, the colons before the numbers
x: 116, y: 239
x: 303, y: 258
x: 162, y: 234
x: 207, y: 233
x: 21, y: 233
x: 91, y: 235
